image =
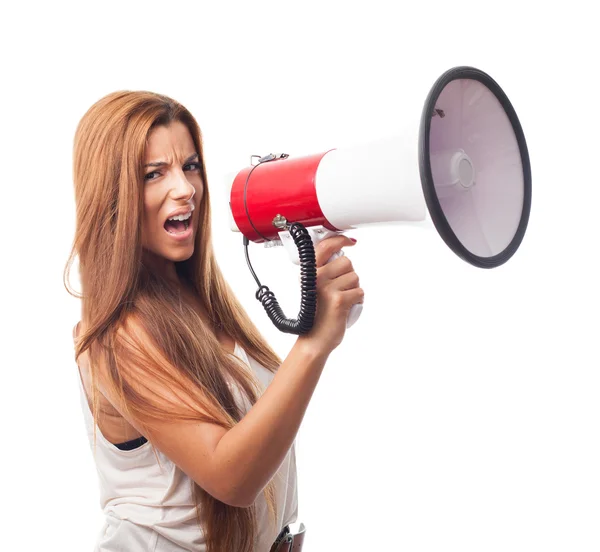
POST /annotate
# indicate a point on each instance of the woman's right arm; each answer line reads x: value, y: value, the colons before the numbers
x: 252, y: 451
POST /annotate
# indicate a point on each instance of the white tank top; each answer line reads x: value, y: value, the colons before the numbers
x: 151, y: 509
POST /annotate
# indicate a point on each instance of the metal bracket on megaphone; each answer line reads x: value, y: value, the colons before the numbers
x: 269, y: 157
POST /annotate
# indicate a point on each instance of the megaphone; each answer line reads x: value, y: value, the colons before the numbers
x: 475, y: 182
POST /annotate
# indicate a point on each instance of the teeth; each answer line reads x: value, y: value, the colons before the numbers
x: 181, y: 217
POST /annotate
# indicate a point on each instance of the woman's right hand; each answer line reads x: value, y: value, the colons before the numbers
x: 337, y: 290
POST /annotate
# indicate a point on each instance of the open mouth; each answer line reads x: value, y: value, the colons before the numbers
x: 177, y: 226
x: 180, y: 224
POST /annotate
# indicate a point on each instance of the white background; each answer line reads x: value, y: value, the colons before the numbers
x: 462, y: 410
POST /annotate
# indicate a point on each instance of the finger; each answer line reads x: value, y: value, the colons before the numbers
x: 350, y: 297
x: 350, y: 280
x: 334, y: 269
x: 353, y: 296
x: 325, y: 249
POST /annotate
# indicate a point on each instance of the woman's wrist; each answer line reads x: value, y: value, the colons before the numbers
x: 312, y: 348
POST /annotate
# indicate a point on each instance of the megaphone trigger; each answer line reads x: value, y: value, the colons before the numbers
x: 337, y: 254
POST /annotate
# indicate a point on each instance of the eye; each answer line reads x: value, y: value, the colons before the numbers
x: 197, y: 166
x: 149, y: 174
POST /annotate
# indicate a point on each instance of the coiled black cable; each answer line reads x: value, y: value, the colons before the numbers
x: 308, y: 286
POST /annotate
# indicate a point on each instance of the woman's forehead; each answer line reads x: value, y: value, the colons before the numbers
x: 168, y: 143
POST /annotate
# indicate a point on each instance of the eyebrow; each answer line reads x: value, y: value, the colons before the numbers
x: 161, y: 163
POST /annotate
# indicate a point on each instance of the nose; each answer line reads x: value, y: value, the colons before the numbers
x: 182, y: 189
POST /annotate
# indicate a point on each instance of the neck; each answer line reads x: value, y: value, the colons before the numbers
x: 163, y: 267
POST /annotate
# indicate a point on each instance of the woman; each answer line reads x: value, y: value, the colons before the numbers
x: 196, y: 415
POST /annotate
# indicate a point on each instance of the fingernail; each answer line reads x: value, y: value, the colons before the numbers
x: 353, y: 239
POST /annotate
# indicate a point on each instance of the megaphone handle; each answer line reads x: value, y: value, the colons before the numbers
x: 356, y: 309
x: 318, y: 234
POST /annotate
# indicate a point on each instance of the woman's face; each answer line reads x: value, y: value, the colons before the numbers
x: 172, y: 185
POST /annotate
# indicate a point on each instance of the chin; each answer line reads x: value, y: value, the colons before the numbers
x: 179, y: 256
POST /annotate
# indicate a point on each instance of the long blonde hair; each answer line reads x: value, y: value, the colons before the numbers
x: 109, y: 147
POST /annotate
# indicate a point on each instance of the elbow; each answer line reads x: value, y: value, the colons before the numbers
x: 239, y: 494
x: 227, y: 494
x: 241, y: 504
x: 239, y: 500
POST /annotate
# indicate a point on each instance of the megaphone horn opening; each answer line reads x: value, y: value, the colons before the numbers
x: 474, y: 166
